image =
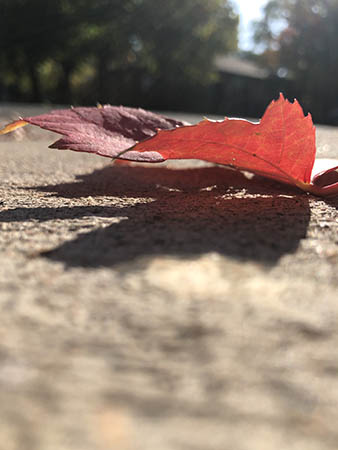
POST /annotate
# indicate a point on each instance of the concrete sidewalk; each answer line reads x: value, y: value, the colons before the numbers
x: 156, y: 308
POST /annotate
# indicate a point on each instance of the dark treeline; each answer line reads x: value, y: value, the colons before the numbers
x: 157, y: 54
x: 160, y: 54
x: 299, y: 38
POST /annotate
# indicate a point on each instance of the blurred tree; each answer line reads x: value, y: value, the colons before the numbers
x: 150, y: 52
x: 33, y: 33
x: 299, y: 38
x: 174, y: 44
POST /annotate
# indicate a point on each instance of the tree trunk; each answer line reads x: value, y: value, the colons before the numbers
x: 101, y: 78
x: 36, y: 95
x: 64, y: 88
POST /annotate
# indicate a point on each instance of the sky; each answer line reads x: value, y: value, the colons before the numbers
x: 249, y: 10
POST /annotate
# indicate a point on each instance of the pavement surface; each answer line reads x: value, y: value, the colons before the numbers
x: 180, y: 307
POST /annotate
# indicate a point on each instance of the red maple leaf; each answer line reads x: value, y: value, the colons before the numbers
x: 281, y: 146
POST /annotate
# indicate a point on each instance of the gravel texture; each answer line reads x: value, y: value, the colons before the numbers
x: 171, y: 307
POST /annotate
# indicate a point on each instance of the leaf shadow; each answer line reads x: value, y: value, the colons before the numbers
x: 190, y: 212
x: 332, y: 201
x: 154, y: 180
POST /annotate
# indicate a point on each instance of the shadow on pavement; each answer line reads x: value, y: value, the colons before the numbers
x: 190, y: 212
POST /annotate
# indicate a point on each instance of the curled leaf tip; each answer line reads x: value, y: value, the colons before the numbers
x: 13, y: 126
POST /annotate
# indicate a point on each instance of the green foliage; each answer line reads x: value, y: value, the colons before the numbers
x: 145, y: 52
x: 301, y: 36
